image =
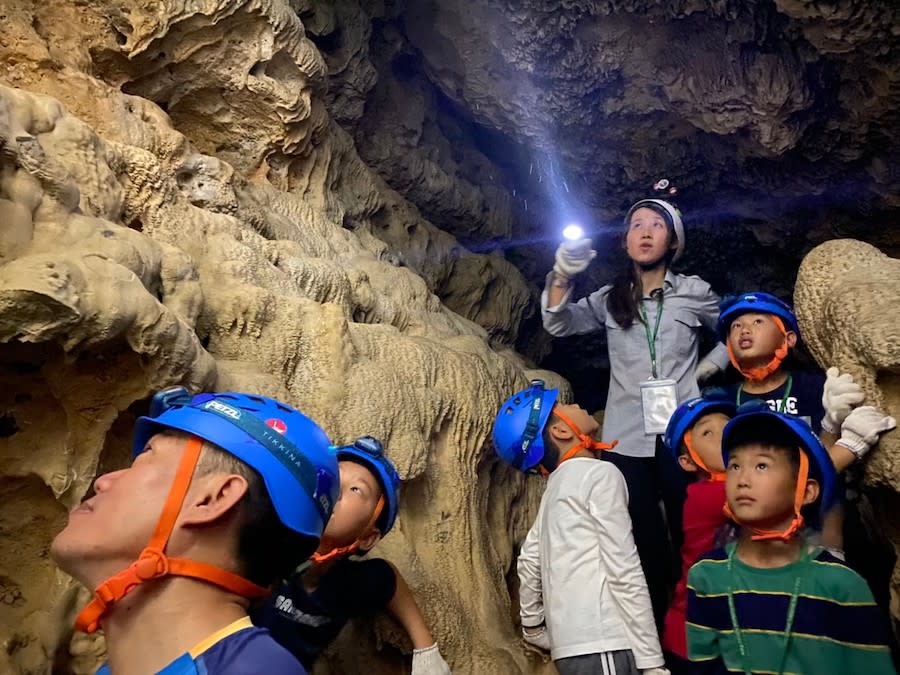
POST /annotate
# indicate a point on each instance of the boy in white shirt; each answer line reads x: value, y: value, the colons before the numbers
x: 582, y: 591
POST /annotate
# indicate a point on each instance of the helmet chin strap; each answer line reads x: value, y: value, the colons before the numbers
x: 324, y: 554
x: 153, y: 563
x: 797, y: 522
x: 715, y: 476
x: 585, y: 442
x: 762, y: 372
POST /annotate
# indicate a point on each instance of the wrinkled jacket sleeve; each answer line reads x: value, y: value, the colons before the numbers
x: 608, y: 504
x: 567, y: 318
x: 531, y: 599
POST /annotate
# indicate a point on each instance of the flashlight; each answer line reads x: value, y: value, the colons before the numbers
x: 573, y: 232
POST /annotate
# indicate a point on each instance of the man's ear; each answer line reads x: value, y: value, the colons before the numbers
x: 211, y: 497
x: 791, y: 338
x: 812, y: 491
x: 687, y: 464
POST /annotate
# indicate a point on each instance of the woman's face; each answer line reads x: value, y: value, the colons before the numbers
x: 647, y: 240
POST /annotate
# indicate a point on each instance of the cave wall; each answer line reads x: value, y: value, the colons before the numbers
x: 351, y: 204
x: 180, y: 207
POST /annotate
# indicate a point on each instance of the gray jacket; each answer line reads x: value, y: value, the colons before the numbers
x: 688, y: 304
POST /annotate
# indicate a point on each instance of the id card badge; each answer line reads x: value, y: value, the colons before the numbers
x: 658, y: 401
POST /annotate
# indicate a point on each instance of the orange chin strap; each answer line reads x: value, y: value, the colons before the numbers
x: 585, y: 442
x: 796, y: 523
x: 762, y: 372
x: 320, y: 557
x: 715, y: 476
x: 153, y: 563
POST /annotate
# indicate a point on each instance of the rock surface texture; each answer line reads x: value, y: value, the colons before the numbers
x: 349, y: 205
x: 235, y: 242
x: 847, y: 297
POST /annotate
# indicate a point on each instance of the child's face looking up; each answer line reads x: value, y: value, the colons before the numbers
x: 586, y: 423
x: 756, y: 337
x: 706, y: 439
x: 760, y: 485
x: 360, y: 492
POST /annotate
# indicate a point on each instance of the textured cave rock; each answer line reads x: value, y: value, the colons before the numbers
x: 306, y: 197
x: 132, y: 260
x: 847, y: 296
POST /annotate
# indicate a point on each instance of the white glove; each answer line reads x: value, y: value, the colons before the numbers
x: 861, y: 429
x: 428, y: 661
x: 573, y: 257
x: 539, y: 638
x: 705, y: 370
x: 655, y: 671
x: 840, y: 395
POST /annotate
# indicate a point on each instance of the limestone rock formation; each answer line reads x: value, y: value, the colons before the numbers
x: 846, y: 299
x: 275, y: 262
x: 350, y: 204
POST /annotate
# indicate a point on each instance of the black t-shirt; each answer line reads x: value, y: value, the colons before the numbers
x: 804, y: 398
x: 305, y: 623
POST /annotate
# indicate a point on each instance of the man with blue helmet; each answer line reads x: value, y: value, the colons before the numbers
x: 582, y: 592
x: 227, y: 492
x: 772, y: 602
x: 306, y: 612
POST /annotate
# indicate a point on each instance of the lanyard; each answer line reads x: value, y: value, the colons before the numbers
x: 651, y: 341
x: 788, y: 624
x: 784, y: 399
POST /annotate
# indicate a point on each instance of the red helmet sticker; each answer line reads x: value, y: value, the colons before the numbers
x: 277, y: 424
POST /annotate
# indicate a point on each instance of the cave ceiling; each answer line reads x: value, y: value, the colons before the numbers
x: 502, y: 121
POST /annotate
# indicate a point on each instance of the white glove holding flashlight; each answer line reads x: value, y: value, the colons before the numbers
x: 839, y: 396
x: 428, y: 661
x: 862, y: 429
x: 573, y: 257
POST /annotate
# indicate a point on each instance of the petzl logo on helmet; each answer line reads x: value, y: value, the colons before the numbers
x: 233, y: 413
x: 277, y: 424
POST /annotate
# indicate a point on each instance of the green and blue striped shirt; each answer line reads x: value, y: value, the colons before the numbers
x: 836, y: 627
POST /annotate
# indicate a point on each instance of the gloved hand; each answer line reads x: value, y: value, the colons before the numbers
x: 705, y: 370
x: 840, y: 395
x: 655, y: 671
x: 539, y: 638
x: 428, y: 661
x: 573, y: 257
x: 861, y: 429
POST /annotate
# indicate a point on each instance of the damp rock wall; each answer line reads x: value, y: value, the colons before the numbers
x: 846, y: 299
x: 178, y: 206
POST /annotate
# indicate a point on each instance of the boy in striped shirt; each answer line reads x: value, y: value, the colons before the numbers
x: 771, y: 602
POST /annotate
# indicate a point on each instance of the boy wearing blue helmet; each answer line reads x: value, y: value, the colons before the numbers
x: 759, y: 330
x: 306, y: 612
x: 694, y: 435
x: 226, y: 492
x: 771, y: 602
x: 582, y: 591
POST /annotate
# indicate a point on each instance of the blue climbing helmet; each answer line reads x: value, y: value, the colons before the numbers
x: 732, y: 307
x: 687, y: 414
x: 369, y: 452
x: 519, y: 425
x: 755, y: 423
x: 287, y: 449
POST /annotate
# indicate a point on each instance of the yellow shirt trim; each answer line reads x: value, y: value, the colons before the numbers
x: 220, y: 635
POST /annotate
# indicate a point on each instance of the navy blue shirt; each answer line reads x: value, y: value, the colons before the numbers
x: 306, y: 623
x: 804, y: 398
x: 238, y: 649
